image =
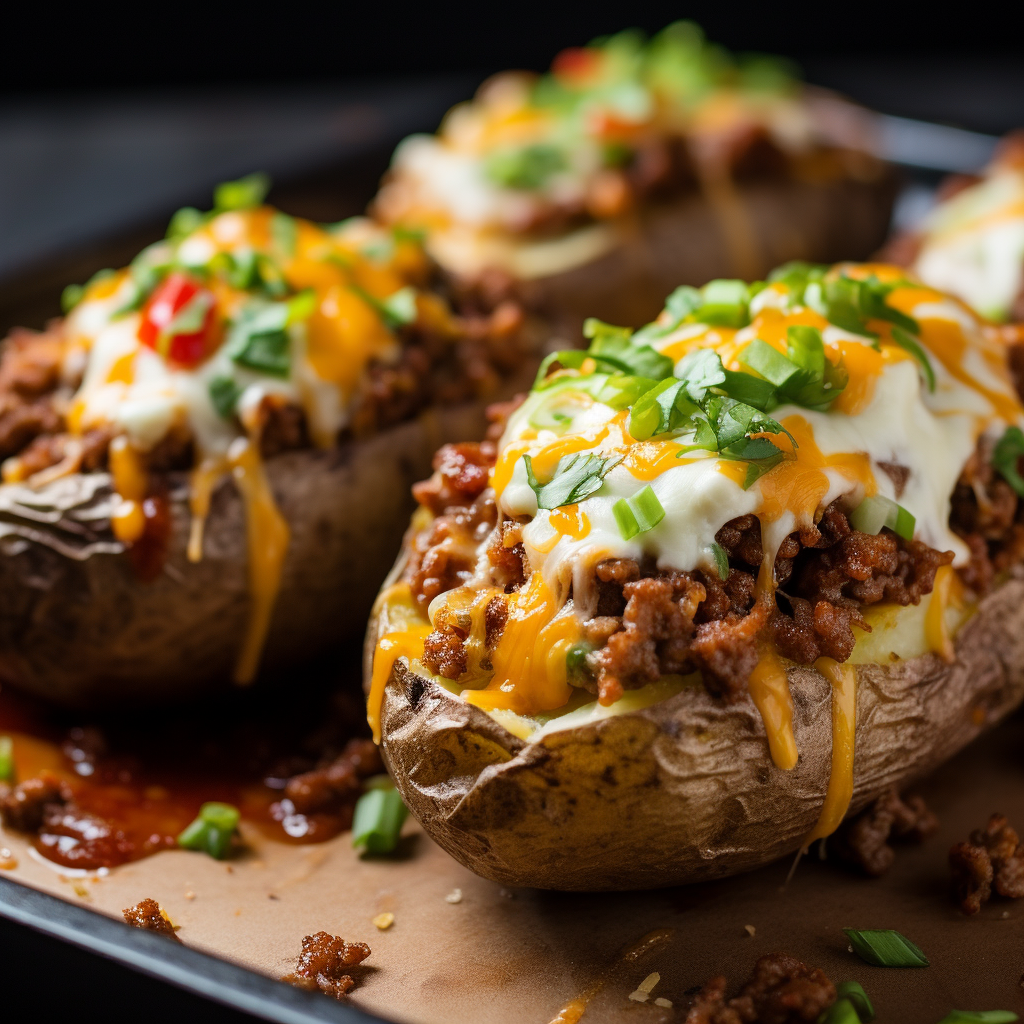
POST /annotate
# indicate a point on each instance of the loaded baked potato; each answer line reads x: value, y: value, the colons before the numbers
x: 972, y: 243
x: 634, y: 166
x: 315, y: 366
x: 722, y: 581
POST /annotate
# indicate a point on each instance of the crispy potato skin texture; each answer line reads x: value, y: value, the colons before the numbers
x: 686, y: 242
x: 685, y: 790
x: 78, y: 627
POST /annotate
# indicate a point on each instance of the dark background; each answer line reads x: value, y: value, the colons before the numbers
x: 145, y: 45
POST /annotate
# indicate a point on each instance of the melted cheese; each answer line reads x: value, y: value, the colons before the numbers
x: 844, y: 726
x: 769, y: 690
x: 268, y: 536
x: 973, y: 244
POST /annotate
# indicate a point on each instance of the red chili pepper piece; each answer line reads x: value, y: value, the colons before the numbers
x: 179, y: 320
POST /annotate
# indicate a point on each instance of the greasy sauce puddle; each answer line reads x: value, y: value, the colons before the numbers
x: 130, y: 783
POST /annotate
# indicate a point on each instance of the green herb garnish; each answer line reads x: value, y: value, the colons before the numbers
x: 213, y: 831
x: 979, y: 1017
x: 575, y: 477
x: 885, y: 948
x: 378, y: 819
x: 527, y: 168
x: 877, y: 511
x: 1006, y: 458
x: 721, y: 560
x: 244, y: 194
x: 854, y: 992
x: 224, y: 393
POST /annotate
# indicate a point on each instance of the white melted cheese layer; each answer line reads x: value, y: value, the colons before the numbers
x: 158, y: 396
x: 973, y: 245
x: 930, y: 434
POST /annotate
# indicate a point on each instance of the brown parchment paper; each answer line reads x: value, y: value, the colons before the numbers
x: 499, y: 956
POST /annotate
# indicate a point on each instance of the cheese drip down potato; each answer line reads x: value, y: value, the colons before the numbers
x: 972, y: 243
x: 206, y: 461
x: 634, y: 166
x: 721, y: 582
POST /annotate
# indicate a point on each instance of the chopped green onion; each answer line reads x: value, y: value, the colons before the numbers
x: 212, y: 831
x: 666, y: 406
x: 724, y: 304
x: 576, y: 661
x: 854, y: 992
x: 979, y: 1017
x: 244, y: 194
x: 6, y: 759
x: 614, y: 346
x: 621, y: 392
x: 638, y: 514
x: 259, y: 340
x: 878, y: 511
x: 378, y: 820
x: 184, y: 222
x: 770, y: 363
x: 842, y: 1011
x: 701, y: 370
x: 885, y: 948
x: 285, y: 232
x: 401, y: 306
x: 806, y: 347
x: 575, y: 477
x: 71, y: 297
x: 224, y: 394
x: 750, y: 390
x: 683, y: 301
x: 404, y: 234
x: 913, y: 346
x: 527, y: 168
x: 1006, y: 458
x: 721, y: 560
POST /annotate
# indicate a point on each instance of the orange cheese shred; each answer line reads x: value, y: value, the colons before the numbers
x: 131, y: 481
x: 529, y: 661
x: 268, y: 537
x: 407, y: 643
x: 946, y: 591
x: 769, y: 689
x: 844, y: 726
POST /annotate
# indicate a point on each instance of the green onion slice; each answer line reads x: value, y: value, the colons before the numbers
x: 770, y: 363
x: 1006, y: 458
x: 212, y: 831
x: 909, y: 343
x: 244, y: 194
x: 885, y: 948
x: 878, y: 511
x: 854, y: 992
x: 224, y: 394
x: 842, y: 1011
x: 6, y: 759
x: 378, y: 820
x: 638, y: 514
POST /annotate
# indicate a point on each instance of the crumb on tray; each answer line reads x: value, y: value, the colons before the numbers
x: 148, y: 915
x: 991, y: 860
x: 455, y: 896
x: 323, y: 963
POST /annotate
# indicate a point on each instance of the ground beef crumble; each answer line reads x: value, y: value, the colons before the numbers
x: 781, y: 990
x: 324, y: 963
x: 990, y: 861
x: 865, y: 841
x: 147, y: 915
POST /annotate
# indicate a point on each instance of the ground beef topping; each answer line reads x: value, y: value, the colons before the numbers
x: 865, y: 842
x: 781, y: 990
x: 148, y: 915
x: 324, y: 963
x: 990, y: 861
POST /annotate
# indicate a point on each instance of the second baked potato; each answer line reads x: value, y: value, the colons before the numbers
x: 727, y: 579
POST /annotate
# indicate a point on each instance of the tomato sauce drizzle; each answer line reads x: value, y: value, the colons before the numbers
x: 130, y: 784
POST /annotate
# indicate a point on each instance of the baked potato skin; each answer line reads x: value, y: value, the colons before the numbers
x: 685, y: 790
x: 683, y: 242
x: 78, y: 626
